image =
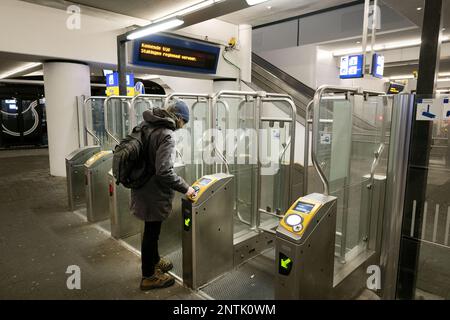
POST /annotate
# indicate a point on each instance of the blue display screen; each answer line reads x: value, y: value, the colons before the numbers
x: 378, y: 66
x: 303, y: 207
x: 204, y: 182
x: 176, y: 53
x: 351, y: 67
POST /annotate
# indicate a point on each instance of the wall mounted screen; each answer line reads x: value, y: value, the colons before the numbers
x: 176, y: 53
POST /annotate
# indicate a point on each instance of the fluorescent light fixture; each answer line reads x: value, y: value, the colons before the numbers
x: 385, y: 46
x: 443, y: 91
x: 154, y: 28
x: 253, y: 2
x: 402, y: 77
x: 443, y: 79
x: 195, y: 7
x: 150, y: 77
x: 19, y: 70
x: 444, y: 74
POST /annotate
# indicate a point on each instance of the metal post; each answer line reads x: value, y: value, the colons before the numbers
x: 421, y: 141
x: 364, y: 35
x: 122, y: 64
x: 255, y: 219
x: 374, y: 29
x: 306, y: 152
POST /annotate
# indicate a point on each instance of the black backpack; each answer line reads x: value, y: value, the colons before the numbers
x: 130, y: 165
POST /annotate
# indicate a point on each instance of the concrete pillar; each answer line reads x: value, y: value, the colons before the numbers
x: 245, y: 51
x: 63, y: 82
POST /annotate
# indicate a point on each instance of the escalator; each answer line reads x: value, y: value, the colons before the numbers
x: 268, y: 77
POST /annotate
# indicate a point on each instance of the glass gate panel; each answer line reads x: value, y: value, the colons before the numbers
x: 425, y: 248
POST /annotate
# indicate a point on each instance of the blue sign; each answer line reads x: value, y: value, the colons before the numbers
x: 176, y: 53
x: 352, y: 67
x: 377, y: 65
x: 112, y: 79
x: 112, y: 84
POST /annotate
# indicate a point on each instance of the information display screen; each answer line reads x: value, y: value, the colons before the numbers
x: 303, y: 207
x: 351, y: 67
x: 176, y: 53
x: 378, y: 65
x: 203, y: 182
x: 395, y: 88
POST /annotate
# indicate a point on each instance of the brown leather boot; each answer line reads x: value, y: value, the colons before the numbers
x: 164, y: 265
x: 157, y: 281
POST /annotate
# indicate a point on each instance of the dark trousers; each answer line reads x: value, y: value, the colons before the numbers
x: 149, y: 250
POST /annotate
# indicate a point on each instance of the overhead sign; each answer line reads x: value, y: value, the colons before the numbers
x: 112, y: 84
x: 176, y: 53
x: 395, y: 88
x: 352, y: 67
x: 377, y: 65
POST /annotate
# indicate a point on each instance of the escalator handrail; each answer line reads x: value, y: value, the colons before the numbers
x: 291, y: 81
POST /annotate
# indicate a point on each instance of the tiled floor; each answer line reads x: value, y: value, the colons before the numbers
x: 39, y: 239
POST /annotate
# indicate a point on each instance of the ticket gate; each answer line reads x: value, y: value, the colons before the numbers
x: 75, y: 175
x: 208, y: 230
x: 97, y: 197
x: 123, y: 223
x: 304, y: 252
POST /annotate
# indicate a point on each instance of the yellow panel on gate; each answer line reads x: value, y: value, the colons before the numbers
x: 299, y: 216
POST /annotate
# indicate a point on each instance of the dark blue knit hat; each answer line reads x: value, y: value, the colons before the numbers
x: 181, y: 109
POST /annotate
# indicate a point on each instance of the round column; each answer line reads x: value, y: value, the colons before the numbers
x: 63, y: 82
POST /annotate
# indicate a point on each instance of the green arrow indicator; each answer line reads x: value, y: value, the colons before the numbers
x: 285, y: 263
x: 187, y: 222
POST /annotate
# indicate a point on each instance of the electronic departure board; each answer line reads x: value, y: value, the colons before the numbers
x: 176, y: 53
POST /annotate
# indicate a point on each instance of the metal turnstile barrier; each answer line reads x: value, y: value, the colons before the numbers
x: 208, y: 230
x: 123, y: 223
x: 91, y: 127
x: 75, y: 175
x: 97, y: 197
x: 305, y: 249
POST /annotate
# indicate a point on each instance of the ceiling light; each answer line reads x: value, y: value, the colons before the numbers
x: 253, y: 2
x: 443, y: 79
x: 402, y: 77
x: 154, y: 28
x: 443, y: 90
x: 269, y: 7
x: 20, y: 70
x: 419, y: 8
x: 444, y: 74
x: 150, y: 77
x: 195, y: 7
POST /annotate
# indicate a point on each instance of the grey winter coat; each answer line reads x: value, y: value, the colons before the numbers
x: 153, y: 201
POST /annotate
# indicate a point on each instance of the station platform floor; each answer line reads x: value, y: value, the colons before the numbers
x: 40, y: 238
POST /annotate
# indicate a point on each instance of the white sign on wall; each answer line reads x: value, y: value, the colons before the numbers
x: 446, y: 109
x: 429, y: 109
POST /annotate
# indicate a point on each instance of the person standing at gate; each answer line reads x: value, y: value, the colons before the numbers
x: 152, y: 202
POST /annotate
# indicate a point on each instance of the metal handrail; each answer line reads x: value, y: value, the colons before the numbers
x: 105, y: 111
x: 306, y: 148
x: 220, y: 153
x: 317, y: 97
x: 187, y: 95
x: 86, y: 129
x: 292, y: 134
x: 143, y: 97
